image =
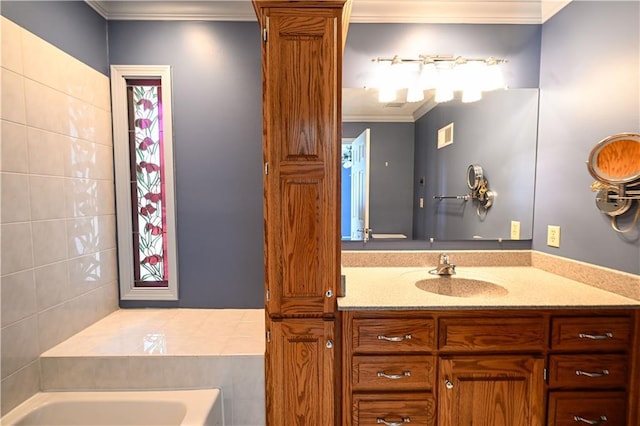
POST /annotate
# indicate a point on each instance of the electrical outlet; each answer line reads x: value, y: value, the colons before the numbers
x: 553, y: 236
x: 515, y: 230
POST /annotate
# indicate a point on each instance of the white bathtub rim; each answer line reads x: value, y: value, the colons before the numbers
x: 197, y: 411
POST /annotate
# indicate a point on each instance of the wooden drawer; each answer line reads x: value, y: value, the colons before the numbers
x: 591, y: 334
x: 396, y: 409
x: 499, y: 334
x: 584, y: 408
x: 393, y: 335
x: 384, y: 373
x: 588, y: 371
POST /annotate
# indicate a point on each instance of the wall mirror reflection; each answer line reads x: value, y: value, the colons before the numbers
x: 406, y: 169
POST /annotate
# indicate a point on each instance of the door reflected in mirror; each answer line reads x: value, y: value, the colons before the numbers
x: 355, y: 187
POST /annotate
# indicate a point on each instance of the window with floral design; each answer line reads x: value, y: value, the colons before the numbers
x: 144, y: 182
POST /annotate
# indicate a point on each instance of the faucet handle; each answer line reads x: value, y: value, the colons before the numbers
x: 444, y: 259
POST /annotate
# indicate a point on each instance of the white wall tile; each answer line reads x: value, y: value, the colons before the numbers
x: 43, y: 62
x: 11, y: 37
x: 83, y: 236
x: 81, y: 197
x: 15, y: 157
x: 105, y: 194
x: 56, y: 132
x: 19, y: 387
x: 52, y: 285
x: 80, y: 158
x: 15, y: 198
x: 49, y: 241
x: 47, y: 198
x: 47, y: 152
x: 48, y: 109
x: 18, y: 297
x: 17, y: 248
x: 19, y: 345
x: 13, y: 96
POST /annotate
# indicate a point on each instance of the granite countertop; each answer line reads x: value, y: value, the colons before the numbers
x: 523, y: 287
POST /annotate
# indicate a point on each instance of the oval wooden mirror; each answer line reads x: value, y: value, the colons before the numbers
x: 616, y: 159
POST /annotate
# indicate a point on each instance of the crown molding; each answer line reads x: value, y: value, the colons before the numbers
x: 364, y: 11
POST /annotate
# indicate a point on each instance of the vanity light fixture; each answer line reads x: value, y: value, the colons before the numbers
x: 444, y: 73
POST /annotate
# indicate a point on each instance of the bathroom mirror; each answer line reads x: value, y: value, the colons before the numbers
x: 407, y: 170
x: 616, y: 159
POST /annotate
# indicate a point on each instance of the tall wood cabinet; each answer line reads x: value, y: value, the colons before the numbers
x: 302, y: 43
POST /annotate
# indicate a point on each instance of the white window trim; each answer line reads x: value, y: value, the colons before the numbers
x: 119, y: 74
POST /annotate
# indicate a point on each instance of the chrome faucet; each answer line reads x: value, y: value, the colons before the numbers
x: 444, y: 267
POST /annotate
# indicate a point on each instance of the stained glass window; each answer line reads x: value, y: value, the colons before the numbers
x: 147, y: 183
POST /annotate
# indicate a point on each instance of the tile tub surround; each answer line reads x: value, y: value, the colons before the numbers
x: 621, y: 283
x: 58, y: 257
x: 168, y: 348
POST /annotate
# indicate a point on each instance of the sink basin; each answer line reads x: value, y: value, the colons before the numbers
x: 461, y: 287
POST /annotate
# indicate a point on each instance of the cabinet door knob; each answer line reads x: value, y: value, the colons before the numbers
x: 329, y: 294
x: 404, y: 420
x: 329, y: 344
x: 448, y: 384
x: 579, y: 419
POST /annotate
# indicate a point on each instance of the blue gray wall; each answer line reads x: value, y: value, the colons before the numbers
x: 498, y: 133
x: 217, y: 123
x: 590, y: 89
x: 390, y: 175
x: 71, y: 26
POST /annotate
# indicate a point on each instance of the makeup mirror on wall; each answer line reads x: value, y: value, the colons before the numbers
x: 407, y: 170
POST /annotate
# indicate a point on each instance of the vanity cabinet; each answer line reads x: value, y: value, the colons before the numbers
x: 589, y: 370
x: 490, y: 367
x: 302, y: 43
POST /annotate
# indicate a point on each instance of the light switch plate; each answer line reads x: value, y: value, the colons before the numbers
x: 553, y: 236
x: 515, y: 230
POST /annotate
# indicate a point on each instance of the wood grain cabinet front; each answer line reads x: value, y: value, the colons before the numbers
x: 587, y: 408
x: 383, y: 373
x: 491, y: 367
x: 393, y: 335
x: 393, y: 410
x: 588, y: 371
x: 588, y: 334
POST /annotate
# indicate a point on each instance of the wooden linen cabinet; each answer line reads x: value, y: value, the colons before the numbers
x: 302, y: 44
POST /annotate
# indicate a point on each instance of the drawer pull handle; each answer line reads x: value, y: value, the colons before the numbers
x: 395, y: 339
x: 586, y: 373
x: 604, y: 336
x: 394, y: 376
x: 380, y: 420
x: 579, y: 419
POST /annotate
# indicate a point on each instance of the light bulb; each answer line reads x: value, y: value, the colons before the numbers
x: 493, y: 78
x: 415, y: 92
x: 387, y: 94
x: 470, y: 95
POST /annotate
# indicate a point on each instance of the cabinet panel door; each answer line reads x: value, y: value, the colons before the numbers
x: 491, y: 391
x: 301, y: 142
x: 300, y: 372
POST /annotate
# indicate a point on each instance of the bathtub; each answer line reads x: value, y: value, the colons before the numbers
x: 140, y: 408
